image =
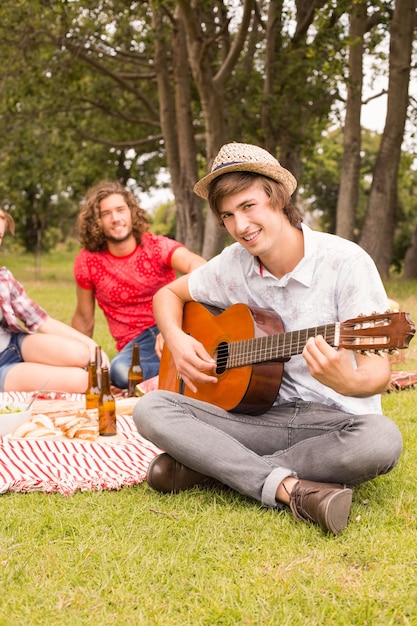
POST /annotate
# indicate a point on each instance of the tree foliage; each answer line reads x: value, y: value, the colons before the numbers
x: 116, y: 89
x: 321, y: 191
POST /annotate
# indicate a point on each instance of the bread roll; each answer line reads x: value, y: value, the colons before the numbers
x: 66, y: 421
x: 88, y: 433
x: 23, y: 430
x: 70, y: 432
x: 31, y: 430
x: 81, y: 424
x: 43, y: 421
x: 41, y: 432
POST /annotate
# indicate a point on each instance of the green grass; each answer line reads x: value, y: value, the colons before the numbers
x: 208, y: 557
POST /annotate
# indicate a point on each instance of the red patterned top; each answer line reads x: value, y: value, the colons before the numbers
x: 124, y: 286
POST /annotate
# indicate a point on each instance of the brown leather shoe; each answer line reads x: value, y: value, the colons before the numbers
x: 169, y: 476
x: 326, y: 504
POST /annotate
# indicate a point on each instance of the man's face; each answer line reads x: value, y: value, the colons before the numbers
x: 251, y: 220
x: 115, y: 218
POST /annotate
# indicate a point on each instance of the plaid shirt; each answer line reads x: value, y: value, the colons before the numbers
x: 16, y: 305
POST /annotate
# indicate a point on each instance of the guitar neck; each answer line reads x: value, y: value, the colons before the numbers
x: 277, y: 347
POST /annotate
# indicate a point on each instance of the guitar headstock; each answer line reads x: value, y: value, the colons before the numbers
x: 381, y: 331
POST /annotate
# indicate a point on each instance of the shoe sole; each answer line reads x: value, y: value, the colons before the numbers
x: 337, y: 511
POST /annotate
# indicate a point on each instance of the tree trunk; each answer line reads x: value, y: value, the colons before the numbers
x: 284, y: 114
x: 211, y: 88
x: 177, y: 129
x: 378, y: 229
x: 273, y: 45
x: 190, y: 208
x: 347, y: 202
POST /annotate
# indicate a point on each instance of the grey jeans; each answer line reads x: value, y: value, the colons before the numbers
x: 253, y: 454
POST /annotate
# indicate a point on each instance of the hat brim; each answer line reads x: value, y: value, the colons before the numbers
x: 277, y: 173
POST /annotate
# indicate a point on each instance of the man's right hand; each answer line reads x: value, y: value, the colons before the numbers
x: 192, y: 361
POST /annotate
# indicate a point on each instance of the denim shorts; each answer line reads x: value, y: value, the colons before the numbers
x: 11, y: 356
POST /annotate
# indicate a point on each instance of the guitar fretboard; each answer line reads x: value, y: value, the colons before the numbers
x: 274, y: 347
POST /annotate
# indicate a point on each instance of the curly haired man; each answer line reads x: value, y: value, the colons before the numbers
x: 121, y: 266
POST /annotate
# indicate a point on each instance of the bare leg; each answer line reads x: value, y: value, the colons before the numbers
x: 31, y: 376
x: 285, y: 488
x: 55, y: 350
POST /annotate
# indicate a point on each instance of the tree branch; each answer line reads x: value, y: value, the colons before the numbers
x: 134, y: 143
x: 383, y: 92
x: 238, y: 43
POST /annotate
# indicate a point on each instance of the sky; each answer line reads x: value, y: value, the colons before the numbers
x: 373, y: 114
x: 157, y: 196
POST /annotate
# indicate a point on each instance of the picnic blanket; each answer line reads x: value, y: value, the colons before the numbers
x: 66, y: 465
x: 401, y: 380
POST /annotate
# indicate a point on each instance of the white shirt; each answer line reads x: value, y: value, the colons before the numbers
x: 335, y: 280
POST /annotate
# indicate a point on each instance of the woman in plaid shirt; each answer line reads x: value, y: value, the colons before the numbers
x: 35, y: 347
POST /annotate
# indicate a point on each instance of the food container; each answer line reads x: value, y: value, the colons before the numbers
x: 12, y: 414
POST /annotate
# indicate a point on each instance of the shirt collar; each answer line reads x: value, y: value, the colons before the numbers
x: 304, y: 270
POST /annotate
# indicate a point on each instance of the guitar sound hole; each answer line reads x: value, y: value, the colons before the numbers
x: 222, y: 355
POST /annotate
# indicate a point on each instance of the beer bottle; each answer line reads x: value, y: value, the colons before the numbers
x: 106, y: 407
x: 135, y: 375
x: 98, y: 360
x: 92, y: 392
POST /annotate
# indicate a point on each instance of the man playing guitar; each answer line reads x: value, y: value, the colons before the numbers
x: 324, y: 431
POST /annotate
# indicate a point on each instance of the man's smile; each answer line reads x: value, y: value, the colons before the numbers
x: 251, y: 236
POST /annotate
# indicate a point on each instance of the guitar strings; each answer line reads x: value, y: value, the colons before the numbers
x: 271, y: 347
x: 360, y: 334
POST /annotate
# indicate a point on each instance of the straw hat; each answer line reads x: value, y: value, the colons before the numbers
x: 243, y: 157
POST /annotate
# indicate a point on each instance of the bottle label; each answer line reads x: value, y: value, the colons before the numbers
x: 133, y: 380
x: 107, y: 420
x: 91, y: 400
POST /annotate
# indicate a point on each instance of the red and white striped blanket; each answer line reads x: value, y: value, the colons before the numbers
x: 402, y: 380
x: 67, y: 465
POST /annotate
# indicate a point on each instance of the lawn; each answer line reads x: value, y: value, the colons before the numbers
x: 207, y: 557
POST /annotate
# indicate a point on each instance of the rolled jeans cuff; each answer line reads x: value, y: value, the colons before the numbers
x: 271, y: 484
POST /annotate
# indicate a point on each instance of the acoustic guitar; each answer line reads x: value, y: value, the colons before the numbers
x: 250, y: 347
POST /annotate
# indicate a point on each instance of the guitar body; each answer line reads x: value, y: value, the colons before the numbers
x: 249, y: 389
